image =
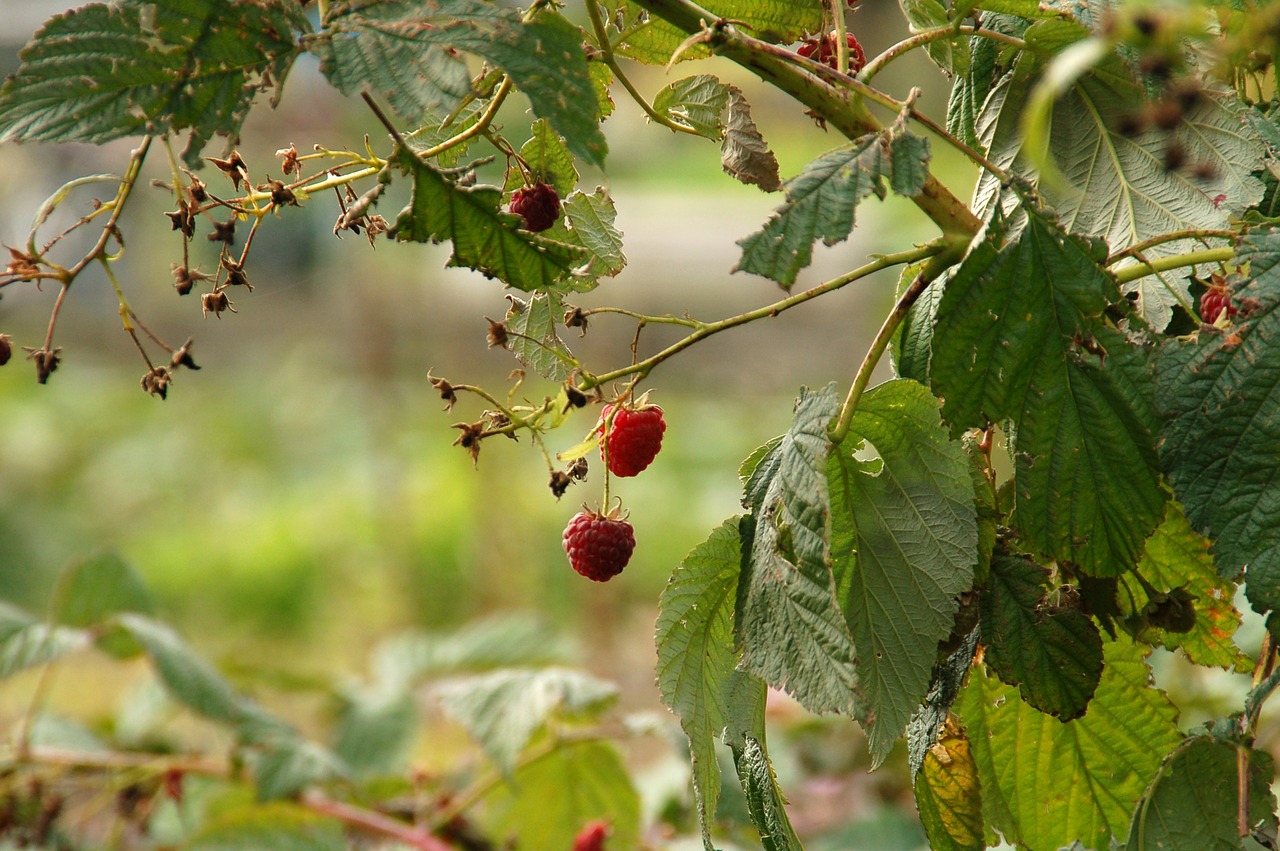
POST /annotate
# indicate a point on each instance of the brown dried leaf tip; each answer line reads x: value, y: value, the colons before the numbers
x: 182, y: 357
x: 236, y: 276
x: 185, y: 278
x: 447, y: 392
x: 576, y: 317
x: 560, y: 482
x: 156, y: 382
x: 224, y: 231
x: 578, y: 469
x: 497, y: 335
x: 215, y: 302
x: 197, y: 191
x: 183, y: 219
x: 47, y: 362
x: 23, y: 266
x: 281, y: 195
x: 470, y: 439
x: 290, y: 164
x: 234, y: 168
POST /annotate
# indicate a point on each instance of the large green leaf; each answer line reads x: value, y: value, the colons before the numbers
x: 25, y: 642
x: 376, y: 730
x: 286, y: 764
x: 1053, y: 657
x: 1076, y: 390
x: 1220, y: 394
x: 650, y: 39
x: 533, y: 339
x: 695, y: 102
x: 589, y: 224
x: 764, y: 798
x: 696, y: 654
x: 793, y: 633
x: 503, y: 710
x: 510, y: 641
x: 277, y: 826
x: 484, y: 237
x: 1115, y: 184
x: 903, y: 547
x: 1177, y: 558
x: 949, y: 796
x: 1193, y: 804
x: 551, y: 797
x: 400, y: 50
x: 1046, y: 784
x: 821, y: 200
x: 102, y: 585
x: 106, y: 71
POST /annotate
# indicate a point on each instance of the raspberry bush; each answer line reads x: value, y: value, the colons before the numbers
x: 1074, y: 462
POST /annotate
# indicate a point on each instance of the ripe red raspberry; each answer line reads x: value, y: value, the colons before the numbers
x: 633, y: 439
x: 591, y: 837
x: 824, y: 50
x: 538, y: 204
x: 599, y: 545
x: 1214, y: 302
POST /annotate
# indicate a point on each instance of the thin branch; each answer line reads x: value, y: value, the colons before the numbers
x: 876, y: 65
x: 374, y: 822
x: 1191, y: 233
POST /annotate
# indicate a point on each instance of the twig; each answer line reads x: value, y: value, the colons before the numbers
x: 374, y: 822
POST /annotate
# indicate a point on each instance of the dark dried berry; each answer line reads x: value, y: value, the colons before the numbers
x: 1173, y: 611
x: 6, y: 349
x: 538, y: 204
x: 824, y: 50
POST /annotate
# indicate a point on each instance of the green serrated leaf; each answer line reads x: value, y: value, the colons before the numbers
x: 764, y: 798
x: 91, y: 591
x: 485, y: 645
x: 399, y: 50
x: 546, y: 61
x: 697, y: 657
x: 1054, y: 657
x: 793, y: 633
x: 1176, y: 557
x: 1076, y: 390
x: 548, y: 159
x: 589, y: 224
x: 376, y: 729
x: 551, y: 797
x: 903, y: 548
x: 1114, y: 184
x: 103, y: 72
x: 821, y: 200
x: 25, y: 642
x: 534, y: 341
x: 277, y: 826
x: 1046, y: 783
x: 652, y: 40
x: 504, y: 709
x: 1193, y: 804
x: 285, y: 765
x: 948, y: 795
x: 912, y: 343
x: 744, y: 154
x: 930, y: 719
x: 1220, y: 397
x: 484, y: 238
x: 695, y: 102
x: 951, y: 55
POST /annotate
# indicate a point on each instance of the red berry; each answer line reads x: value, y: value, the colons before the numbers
x: 538, y: 204
x: 591, y: 837
x: 1214, y: 302
x: 633, y: 439
x: 599, y: 545
x: 824, y: 51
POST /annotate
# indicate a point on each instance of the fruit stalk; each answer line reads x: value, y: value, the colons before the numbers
x: 843, y: 108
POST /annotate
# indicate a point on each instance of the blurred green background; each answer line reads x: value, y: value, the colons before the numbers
x: 299, y: 499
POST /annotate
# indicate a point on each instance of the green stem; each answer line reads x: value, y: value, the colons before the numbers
x: 665, y: 319
x: 841, y: 106
x: 936, y: 266
x: 876, y: 65
x: 642, y: 368
x: 1191, y: 233
x: 606, y: 51
x: 1177, y: 261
